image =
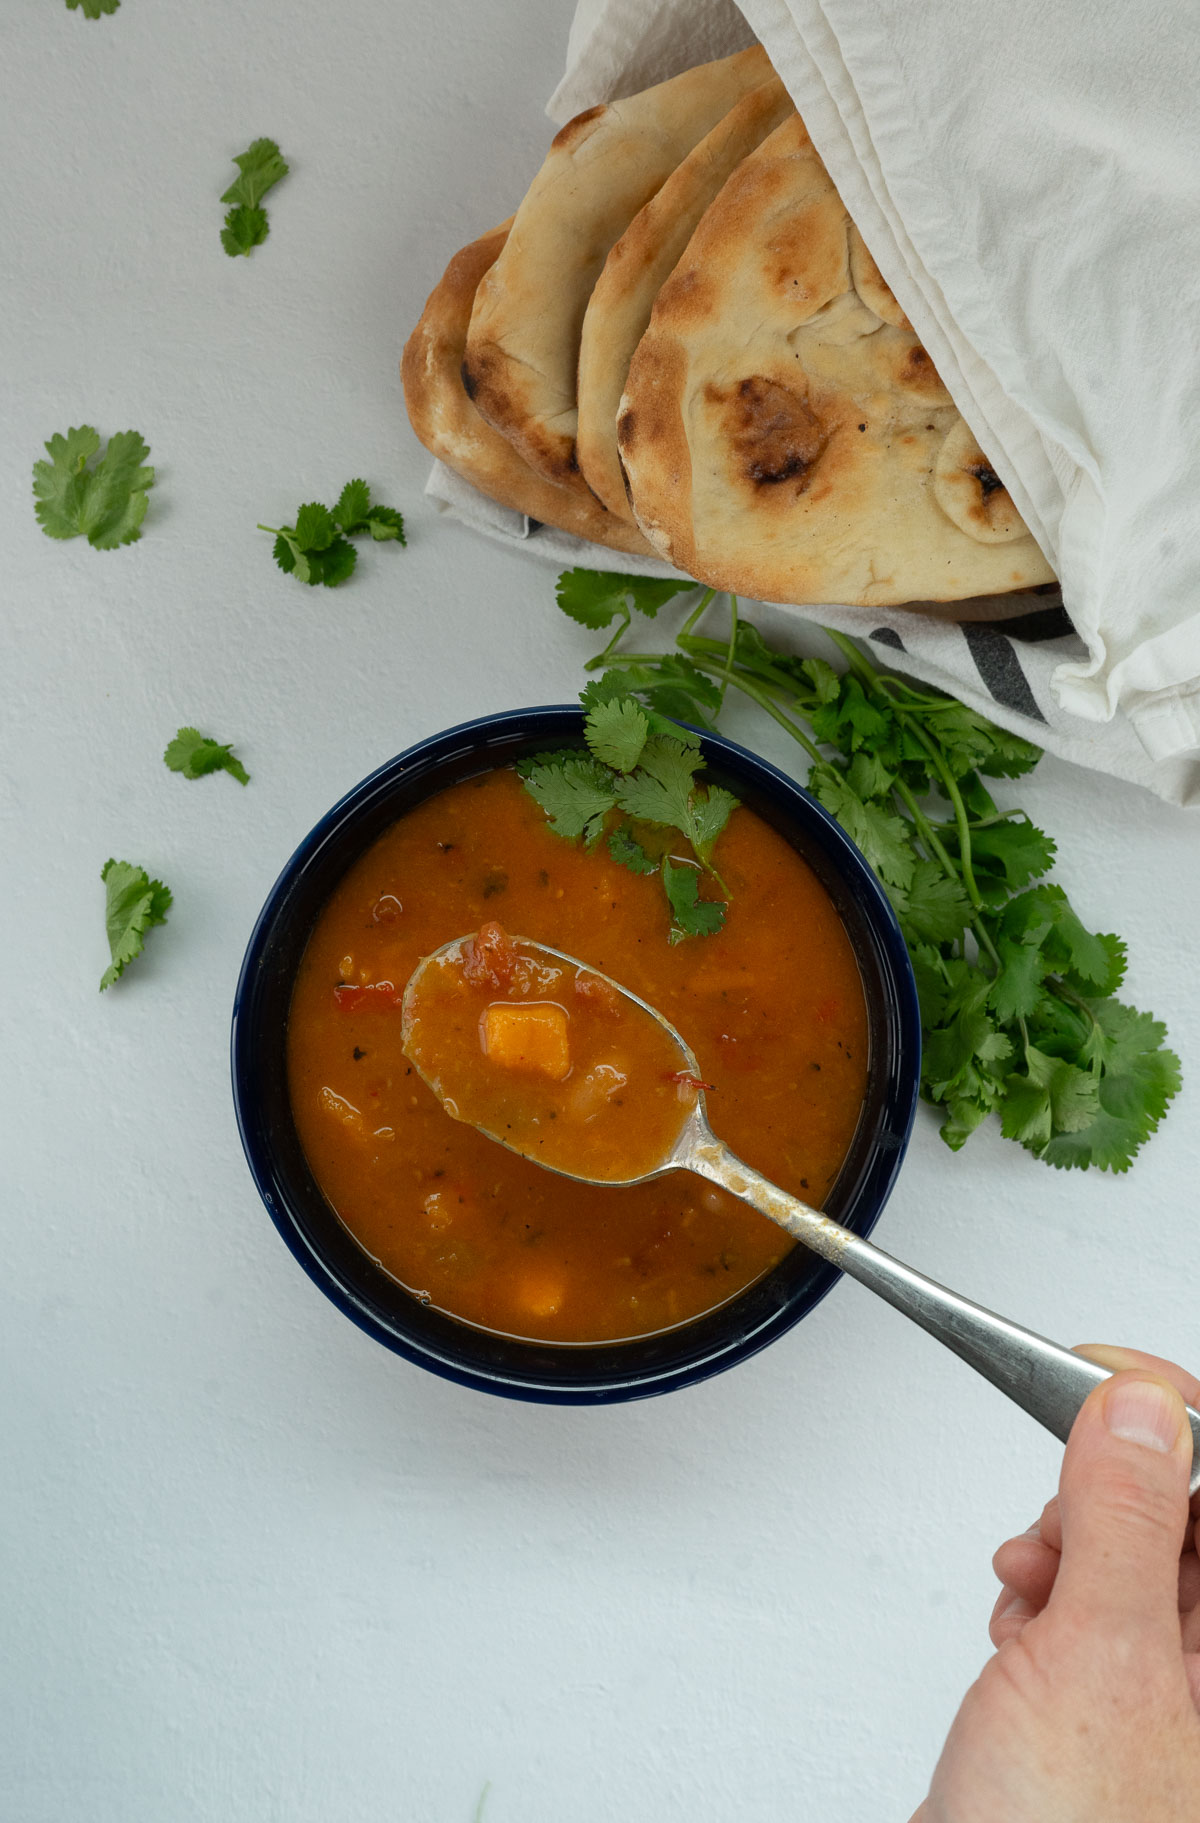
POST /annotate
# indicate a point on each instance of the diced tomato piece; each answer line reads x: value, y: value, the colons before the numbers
x: 489, y: 958
x: 373, y: 993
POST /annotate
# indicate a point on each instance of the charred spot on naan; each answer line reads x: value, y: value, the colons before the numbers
x: 498, y: 394
x: 915, y: 374
x: 773, y: 432
x: 971, y: 493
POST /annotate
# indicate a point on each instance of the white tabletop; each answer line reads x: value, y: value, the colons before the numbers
x: 255, y: 1566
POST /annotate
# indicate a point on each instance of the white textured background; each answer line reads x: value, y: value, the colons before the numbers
x: 255, y: 1568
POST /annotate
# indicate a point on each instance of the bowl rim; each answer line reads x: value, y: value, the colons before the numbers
x: 430, y: 757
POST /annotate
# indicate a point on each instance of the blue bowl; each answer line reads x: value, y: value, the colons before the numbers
x: 578, y: 1374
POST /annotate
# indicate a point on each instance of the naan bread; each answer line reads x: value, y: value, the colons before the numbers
x: 644, y: 257
x: 451, y: 429
x: 785, y: 435
x: 523, y: 345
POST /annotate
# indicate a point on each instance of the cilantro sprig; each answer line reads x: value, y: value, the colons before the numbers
x: 134, y: 904
x: 260, y: 168
x: 636, y: 786
x: 93, y: 9
x: 195, y: 755
x: 1018, y: 996
x: 318, y: 549
x: 78, y: 497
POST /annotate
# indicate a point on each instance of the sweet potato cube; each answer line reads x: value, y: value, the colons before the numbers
x: 528, y: 1035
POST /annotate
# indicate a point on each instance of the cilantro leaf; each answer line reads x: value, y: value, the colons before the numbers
x: 315, y: 530
x: 970, y: 743
x: 353, y: 505
x: 823, y: 678
x: 595, y: 598
x: 691, y: 916
x: 712, y: 807
x: 105, y: 503
x: 1133, y: 1080
x: 1017, y: 849
x: 932, y: 907
x: 93, y: 9
x: 195, y: 755
x: 848, y: 719
x: 625, y: 848
x: 883, y: 838
x: 244, y: 230
x: 134, y: 903
x: 575, y: 792
x: 1017, y: 988
x: 664, y: 790
x: 260, y: 168
x: 385, y: 524
x: 286, y: 551
x: 1043, y: 916
x: 616, y: 731
x: 868, y: 777
x: 333, y: 564
x: 661, y: 789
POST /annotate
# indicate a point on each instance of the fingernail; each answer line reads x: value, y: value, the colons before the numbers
x: 1015, y: 1608
x: 1142, y: 1411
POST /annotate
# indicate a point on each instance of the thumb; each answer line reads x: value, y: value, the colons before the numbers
x: 1123, y: 1499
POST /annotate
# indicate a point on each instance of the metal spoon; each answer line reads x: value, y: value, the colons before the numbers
x: 1049, y: 1382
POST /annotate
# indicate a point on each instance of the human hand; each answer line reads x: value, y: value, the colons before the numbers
x: 1089, y: 1712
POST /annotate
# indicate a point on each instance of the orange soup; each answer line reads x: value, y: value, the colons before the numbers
x: 772, y: 1007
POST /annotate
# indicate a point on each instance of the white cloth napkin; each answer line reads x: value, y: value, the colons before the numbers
x: 1028, y: 179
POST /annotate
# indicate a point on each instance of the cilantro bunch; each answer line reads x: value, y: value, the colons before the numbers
x: 1018, y: 1005
x: 636, y: 788
x: 318, y: 549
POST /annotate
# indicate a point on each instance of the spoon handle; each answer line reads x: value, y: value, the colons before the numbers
x: 1049, y: 1382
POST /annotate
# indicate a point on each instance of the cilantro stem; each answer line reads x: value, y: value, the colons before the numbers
x: 1000, y: 816
x: 741, y: 683
x: 695, y: 614
x: 869, y: 675
x: 960, y: 810
x: 618, y: 636
x: 853, y: 657
x: 733, y: 633
x: 933, y: 843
